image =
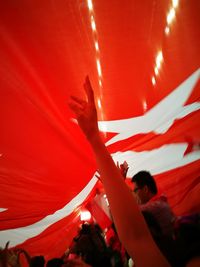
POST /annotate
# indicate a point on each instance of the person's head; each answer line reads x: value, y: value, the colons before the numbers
x: 55, y: 262
x: 76, y: 263
x: 86, y: 228
x: 144, y: 186
x: 37, y: 261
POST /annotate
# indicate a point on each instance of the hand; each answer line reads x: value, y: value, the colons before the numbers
x: 85, y: 111
x: 13, y: 258
x: 4, y: 255
x: 9, y: 257
x: 123, y: 168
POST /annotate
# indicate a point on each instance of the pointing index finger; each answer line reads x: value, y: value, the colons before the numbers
x: 89, y: 90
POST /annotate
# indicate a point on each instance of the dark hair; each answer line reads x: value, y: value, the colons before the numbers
x: 37, y: 261
x: 143, y: 178
x: 86, y: 228
x: 55, y: 262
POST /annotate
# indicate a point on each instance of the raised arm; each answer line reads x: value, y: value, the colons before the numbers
x: 123, y: 168
x: 26, y: 254
x: 129, y: 222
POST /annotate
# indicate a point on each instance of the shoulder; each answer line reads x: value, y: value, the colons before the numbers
x: 157, y: 205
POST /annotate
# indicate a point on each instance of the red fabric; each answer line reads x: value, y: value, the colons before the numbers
x: 99, y: 214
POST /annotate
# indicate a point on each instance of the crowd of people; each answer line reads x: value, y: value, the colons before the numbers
x: 144, y: 227
x: 95, y: 247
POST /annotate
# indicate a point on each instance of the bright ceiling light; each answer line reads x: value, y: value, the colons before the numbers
x: 90, y: 5
x: 85, y: 215
x: 159, y: 57
x: 170, y: 16
x: 167, y: 30
x: 93, y: 24
x: 153, y: 80
x: 175, y: 3
x: 99, y: 103
x: 99, y: 68
x: 158, y: 65
x: 96, y: 46
x: 156, y: 70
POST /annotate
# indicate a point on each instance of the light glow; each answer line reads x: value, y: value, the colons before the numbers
x: 175, y: 3
x: 156, y: 70
x: 99, y: 67
x: 90, y: 5
x: 167, y: 30
x: 99, y: 103
x: 153, y: 80
x: 159, y: 58
x: 85, y: 215
x: 171, y: 16
x: 96, y: 46
x: 158, y: 65
x: 93, y: 24
x: 106, y: 199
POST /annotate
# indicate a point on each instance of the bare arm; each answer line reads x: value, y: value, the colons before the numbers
x: 129, y: 222
x: 123, y: 168
x: 26, y: 254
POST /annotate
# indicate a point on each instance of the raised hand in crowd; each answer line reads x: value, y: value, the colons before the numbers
x: 123, y: 168
x: 9, y: 257
x: 131, y: 227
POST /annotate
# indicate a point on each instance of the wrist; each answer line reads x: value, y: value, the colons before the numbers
x: 94, y: 137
